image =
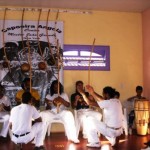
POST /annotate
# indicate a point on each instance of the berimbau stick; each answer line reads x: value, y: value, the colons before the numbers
x: 90, y: 61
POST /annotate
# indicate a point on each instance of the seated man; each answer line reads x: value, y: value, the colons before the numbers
x: 4, y: 112
x: 139, y: 91
x: 26, y: 87
x: 111, y: 128
x: 58, y: 103
x: 83, y: 109
x: 21, y: 123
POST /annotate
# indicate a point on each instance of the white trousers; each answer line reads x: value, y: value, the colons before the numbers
x: 66, y: 117
x: 36, y: 134
x: 94, y: 126
x: 83, y: 114
x: 5, y: 119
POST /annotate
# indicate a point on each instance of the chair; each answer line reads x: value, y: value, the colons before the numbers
x: 55, y: 120
x: 1, y: 121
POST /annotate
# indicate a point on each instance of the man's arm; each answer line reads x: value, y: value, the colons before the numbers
x: 38, y: 120
x: 95, y: 95
x: 7, y: 108
x: 74, y: 100
x: 48, y: 103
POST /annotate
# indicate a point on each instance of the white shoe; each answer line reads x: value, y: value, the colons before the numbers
x: 111, y: 140
x: 93, y: 145
x: 84, y: 136
x: 148, y: 148
x: 76, y: 141
x: 105, y: 147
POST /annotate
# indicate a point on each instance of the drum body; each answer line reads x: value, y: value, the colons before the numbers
x: 141, y: 108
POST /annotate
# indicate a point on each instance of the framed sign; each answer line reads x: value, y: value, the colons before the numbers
x: 77, y: 57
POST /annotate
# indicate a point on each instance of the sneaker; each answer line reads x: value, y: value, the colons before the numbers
x: 93, y: 145
x: 76, y: 141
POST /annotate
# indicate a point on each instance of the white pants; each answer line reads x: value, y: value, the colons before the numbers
x: 5, y: 118
x: 93, y: 126
x: 82, y: 114
x: 67, y: 119
x: 36, y: 134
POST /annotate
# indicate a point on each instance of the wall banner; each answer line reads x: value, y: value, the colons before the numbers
x: 30, y: 43
x: 77, y: 57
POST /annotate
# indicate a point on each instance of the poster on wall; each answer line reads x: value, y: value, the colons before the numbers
x: 24, y: 48
x: 80, y: 57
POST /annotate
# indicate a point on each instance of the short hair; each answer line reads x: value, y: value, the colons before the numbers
x: 61, y: 88
x: 26, y: 97
x: 110, y: 91
x: 139, y: 88
x: 79, y: 82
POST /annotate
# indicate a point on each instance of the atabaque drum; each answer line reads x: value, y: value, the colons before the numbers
x: 141, y: 108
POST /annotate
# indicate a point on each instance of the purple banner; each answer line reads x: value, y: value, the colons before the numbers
x: 77, y: 57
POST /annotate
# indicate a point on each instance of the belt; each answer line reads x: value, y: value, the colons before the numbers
x: 16, y: 135
x: 114, y: 128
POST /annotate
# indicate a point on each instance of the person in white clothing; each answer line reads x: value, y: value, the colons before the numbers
x: 83, y: 109
x: 113, y: 117
x: 4, y: 112
x: 21, y: 118
x: 57, y: 103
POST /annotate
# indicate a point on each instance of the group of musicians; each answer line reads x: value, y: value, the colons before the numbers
x: 27, y: 123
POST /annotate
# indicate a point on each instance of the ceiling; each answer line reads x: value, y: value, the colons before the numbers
x: 104, y: 5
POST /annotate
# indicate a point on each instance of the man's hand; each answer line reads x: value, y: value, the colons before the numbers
x: 90, y: 89
x: 58, y: 100
x: 78, y: 98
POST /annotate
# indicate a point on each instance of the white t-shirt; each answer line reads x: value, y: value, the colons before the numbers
x: 21, y: 118
x: 5, y: 100
x: 112, y: 110
x: 51, y: 98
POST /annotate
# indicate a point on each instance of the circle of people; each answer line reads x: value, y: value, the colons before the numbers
x: 96, y: 114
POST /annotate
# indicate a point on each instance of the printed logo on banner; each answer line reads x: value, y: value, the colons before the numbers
x: 29, y: 45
